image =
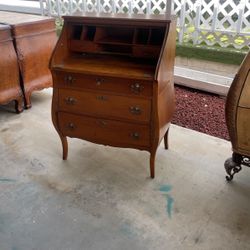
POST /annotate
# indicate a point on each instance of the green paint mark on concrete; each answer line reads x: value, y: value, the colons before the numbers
x: 6, y: 180
x: 127, y: 230
x: 169, y: 205
x: 165, y: 188
x: 169, y: 199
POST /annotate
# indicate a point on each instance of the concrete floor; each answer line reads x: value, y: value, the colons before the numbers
x: 102, y: 197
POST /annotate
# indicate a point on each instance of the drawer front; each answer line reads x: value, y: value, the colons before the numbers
x: 103, y: 131
x: 243, y: 128
x: 95, y: 103
x: 110, y: 84
x: 245, y: 93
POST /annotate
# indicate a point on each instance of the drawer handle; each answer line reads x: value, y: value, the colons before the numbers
x: 102, y: 98
x: 136, y: 88
x: 135, y: 135
x: 135, y: 110
x: 99, y: 81
x: 71, y: 126
x: 70, y: 100
x: 69, y: 79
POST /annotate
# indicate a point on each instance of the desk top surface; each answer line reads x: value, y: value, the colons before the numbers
x: 13, y: 18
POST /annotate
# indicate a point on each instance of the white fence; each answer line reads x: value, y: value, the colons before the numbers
x: 29, y: 7
x: 212, y: 22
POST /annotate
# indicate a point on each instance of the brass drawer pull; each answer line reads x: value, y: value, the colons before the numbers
x: 71, y: 126
x: 99, y: 81
x: 135, y: 135
x: 70, y: 100
x: 69, y: 79
x: 136, y: 88
x: 102, y: 98
x: 135, y: 110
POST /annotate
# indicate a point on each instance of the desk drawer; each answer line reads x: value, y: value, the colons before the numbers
x: 95, y: 103
x: 103, y: 131
x: 110, y: 84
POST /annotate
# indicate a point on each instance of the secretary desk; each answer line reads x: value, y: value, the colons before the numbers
x: 113, y: 80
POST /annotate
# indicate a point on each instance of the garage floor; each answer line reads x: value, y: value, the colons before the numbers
x: 103, y: 198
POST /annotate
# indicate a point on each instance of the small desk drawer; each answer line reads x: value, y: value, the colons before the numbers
x: 103, y: 131
x: 97, y: 103
x: 104, y: 83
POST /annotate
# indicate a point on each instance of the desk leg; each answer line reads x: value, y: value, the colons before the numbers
x: 166, y: 139
x: 27, y: 100
x: 64, y: 146
x: 19, y: 105
x: 152, y: 164
x: 233, y: 165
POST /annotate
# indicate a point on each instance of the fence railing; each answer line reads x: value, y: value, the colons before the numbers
x: 212, y: 22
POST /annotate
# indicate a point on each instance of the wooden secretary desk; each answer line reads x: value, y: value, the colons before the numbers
x: 113, y: 80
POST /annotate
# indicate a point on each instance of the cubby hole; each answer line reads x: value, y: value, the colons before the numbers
x: 81, y: 32
x: 76, y: 32
x: 114, y: 35
x: 139, y: 42
x: 90, y: 33
x: 142, y: 36
x: 157, y: 36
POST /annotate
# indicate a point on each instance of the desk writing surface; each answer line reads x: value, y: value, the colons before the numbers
x: 109, y: 65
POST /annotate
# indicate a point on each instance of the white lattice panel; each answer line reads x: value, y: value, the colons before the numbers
x: 123, y: 6
x: 246, y: 17
x: 63, y: 7
x: 158, y: 7
x: 139, y: 6
x: 106, y: 6
x: 211, y: 22
x: 227, y: 14
x: 207, y: 13
x: 223, y: 23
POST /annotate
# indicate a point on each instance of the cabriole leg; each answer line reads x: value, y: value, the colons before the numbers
x: 152, y: 164
x: 27, y: 100
x: 233, y: 166
x: 19, y: 105
x: 64, y: 146
x: 166, y: 139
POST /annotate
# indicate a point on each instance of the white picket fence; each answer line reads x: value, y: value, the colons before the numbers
x: 211, y: 22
